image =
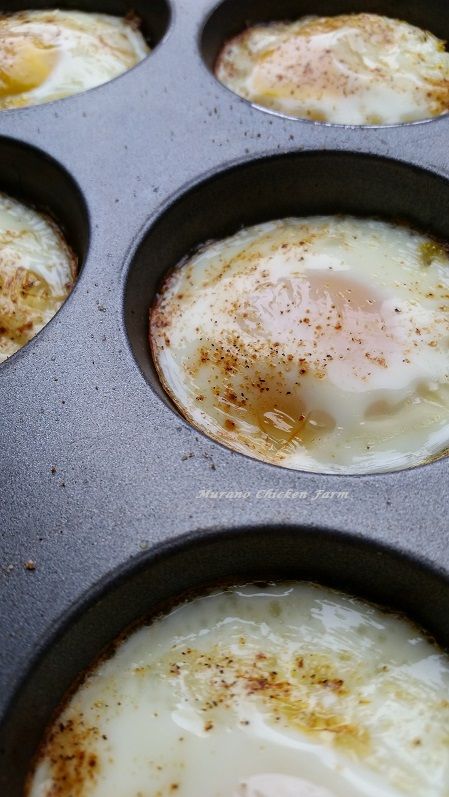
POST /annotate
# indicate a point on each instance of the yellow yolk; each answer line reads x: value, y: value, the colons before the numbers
x: 51, y: 54
x: 25, y: 64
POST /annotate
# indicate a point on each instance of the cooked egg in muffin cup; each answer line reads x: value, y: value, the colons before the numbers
x: 48, y: 55
x: 358, y: 69
x: 37, y: 271
x: 286, y: 690
x: 318, y: 343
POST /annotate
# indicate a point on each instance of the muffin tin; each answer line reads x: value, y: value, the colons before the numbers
x: 100, y: 478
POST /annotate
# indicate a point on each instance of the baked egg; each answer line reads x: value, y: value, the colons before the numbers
x: 286, y: 690
x: 359, y: 69
x: 317, y: 343
x: 37, y: 270
x: 47, y: 55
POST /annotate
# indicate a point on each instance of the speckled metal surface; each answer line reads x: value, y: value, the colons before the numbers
x: 94, y: 466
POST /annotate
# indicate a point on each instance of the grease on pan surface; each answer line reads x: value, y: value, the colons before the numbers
x: 287, y: 690
x: 48, y: 55
x: 37, y: 269
x: 349, y: 69
x: 319, y: 343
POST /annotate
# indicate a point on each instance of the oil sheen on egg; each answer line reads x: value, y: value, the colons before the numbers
x: 47, y: 55
x: 350, y: 69
x: 37, y: 269
x: 286, y: 690
x: 316, y: 343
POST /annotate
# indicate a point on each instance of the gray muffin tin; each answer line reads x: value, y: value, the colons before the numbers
x: 117, y: 503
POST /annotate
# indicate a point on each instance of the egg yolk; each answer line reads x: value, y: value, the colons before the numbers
x: 319, y: 325
x: 322, y: 59
x: 300, y: 69
x: 25, y: 63
x: 326, y: 315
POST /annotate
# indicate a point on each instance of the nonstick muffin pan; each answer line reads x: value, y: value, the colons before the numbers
x: 96, y: 466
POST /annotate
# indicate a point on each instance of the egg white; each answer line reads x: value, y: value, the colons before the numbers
x: 289, y: 690
x: 348, y: 69
x: 37, y: 269
x: 48, y: 55
x: 257, y: 340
